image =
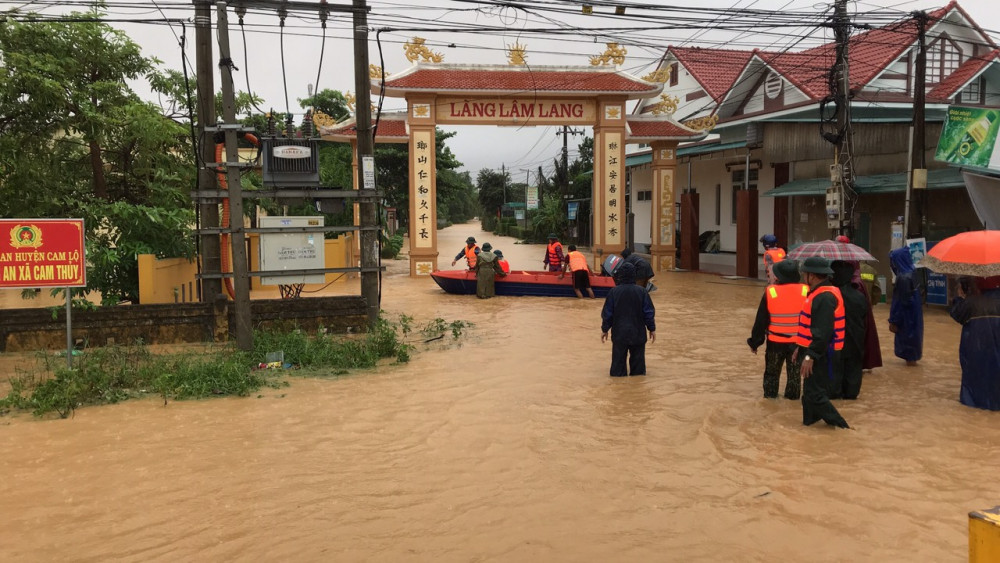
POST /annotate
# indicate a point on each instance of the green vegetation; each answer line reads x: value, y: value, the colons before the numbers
x: 121, y: 372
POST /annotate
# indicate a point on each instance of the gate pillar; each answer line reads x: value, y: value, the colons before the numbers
x: 663, y: 248
x: 609, y: 180
x: 423, y: 188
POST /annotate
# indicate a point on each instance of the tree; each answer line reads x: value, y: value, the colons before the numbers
x: 77, y: 142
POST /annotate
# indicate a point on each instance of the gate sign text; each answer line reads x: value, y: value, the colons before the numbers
x: 460, y: 110
x: 42, y: 253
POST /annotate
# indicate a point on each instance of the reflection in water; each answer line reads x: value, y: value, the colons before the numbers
x: 514, y: 444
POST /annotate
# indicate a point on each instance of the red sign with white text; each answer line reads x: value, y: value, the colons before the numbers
x: 42, y: 253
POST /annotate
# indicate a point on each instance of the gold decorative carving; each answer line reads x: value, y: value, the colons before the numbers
x: 375, y: 71
x: 350, y: 101
x: 614, y: 53
x: 517, y: 55
x: 702, y: 123
x: 666, y: 105
x: 613, y: 112
x: 661, y: 75
x: 321, y: 119
x: 422, y: 110
x: 415, y: 49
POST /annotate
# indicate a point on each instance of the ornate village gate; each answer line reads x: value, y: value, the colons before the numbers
x: 518, y: 95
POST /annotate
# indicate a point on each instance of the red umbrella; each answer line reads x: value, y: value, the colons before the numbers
x: 975, y: 253
x: 831, y: 250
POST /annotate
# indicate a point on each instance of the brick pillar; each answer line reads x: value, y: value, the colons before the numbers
x: 690, y: 249
x: 746, y: 233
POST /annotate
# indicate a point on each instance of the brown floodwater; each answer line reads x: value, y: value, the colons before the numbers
x: 513, y: 444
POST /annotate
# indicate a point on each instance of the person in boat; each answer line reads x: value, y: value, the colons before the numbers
x: 504, y: 265
x: 643, y: 270
x: 469, y: 252
x: 576, y: 262
x: 772, y: 254
x: 487, y: 269
x: 978, y: 352
x: 628, y: 313
x: 906, y: 313
x: 554, y: 254
x: 847, y: 366
x: 777, y: 322
x: 820, y: 336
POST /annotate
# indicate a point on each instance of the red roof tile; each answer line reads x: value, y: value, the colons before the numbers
x: 714, y: 69
x: 391, y: 128
x: 969, y: 70
x: 552, y: 80
x: 661, y: 129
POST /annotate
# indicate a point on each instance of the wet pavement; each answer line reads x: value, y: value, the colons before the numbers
x: 513, y: 444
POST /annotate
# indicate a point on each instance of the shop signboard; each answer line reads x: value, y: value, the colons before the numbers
x: 969, y: 137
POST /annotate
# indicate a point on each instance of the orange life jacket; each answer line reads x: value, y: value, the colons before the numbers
x: 470, y: 255
x: 504, y: 265
x: 804, y: 337
x: 577, y: 261
x: 552, y: 254
x: 784, y: 304
x: 772, y: 256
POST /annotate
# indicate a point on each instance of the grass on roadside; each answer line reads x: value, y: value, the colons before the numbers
x: 120, y: 372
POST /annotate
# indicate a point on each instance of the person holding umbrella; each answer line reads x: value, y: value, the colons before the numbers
x: 979, y: 349
x: 906, y: 314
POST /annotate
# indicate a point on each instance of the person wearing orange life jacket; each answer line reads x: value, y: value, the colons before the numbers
x: 772, y: 254
x: 820, y: 337
x: 554, y: 254
x: 777, y: 322
x: 469, y: 252
x: 504, y: 265
x: 576, y: 262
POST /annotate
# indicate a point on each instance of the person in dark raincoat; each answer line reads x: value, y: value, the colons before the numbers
x: 817, y: 341
x: 906, y: 314
x: 979, y: 350
x: 847, y: 365
x: 628, y: 313
x: 643, y: 270
x: 777, y: 321
x: 487, y: 269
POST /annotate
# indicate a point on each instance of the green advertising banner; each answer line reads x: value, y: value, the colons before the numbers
x: 969, y: 137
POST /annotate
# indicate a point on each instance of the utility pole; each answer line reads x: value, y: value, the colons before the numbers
x: 841, y: 196
x: 566, y: 132
x: 368, y: 213
x: 917, y: 134
x: 241, y: 282
x: 211, y: 257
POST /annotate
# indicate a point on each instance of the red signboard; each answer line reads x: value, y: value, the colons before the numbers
x: 42, y: 253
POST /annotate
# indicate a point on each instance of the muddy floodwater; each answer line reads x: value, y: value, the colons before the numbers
x: 513, y: 444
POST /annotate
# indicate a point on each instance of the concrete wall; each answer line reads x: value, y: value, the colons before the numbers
x: 172, y: 280
x: 36, y: 329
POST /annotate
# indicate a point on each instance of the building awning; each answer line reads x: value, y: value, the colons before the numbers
x: 875, y: 184
x: 694, y: 150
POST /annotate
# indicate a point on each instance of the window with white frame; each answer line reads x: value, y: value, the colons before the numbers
x: 973, y: 93
x: 943, y: 58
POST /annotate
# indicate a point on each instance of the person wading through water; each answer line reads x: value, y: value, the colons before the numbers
x: 821, y: 335
x: 469, y: 252
x: 487, y: 269
x: 778, y: 319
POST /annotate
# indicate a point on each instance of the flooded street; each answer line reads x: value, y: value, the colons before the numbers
x: 513, y: 444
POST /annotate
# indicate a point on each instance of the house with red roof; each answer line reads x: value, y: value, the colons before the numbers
x: 767, y: 110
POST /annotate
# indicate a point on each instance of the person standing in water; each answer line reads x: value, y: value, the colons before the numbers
x: 778, y: 319
x: 576, y: 262
x: 821, y: 335
x: 469, y: 252
x: 628, y: 313
x: 906, y: 314
x: 487, y: 269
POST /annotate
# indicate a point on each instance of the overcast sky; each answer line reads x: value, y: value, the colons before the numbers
x: 440, y: 22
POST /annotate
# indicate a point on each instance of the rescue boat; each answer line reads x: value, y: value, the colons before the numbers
x: 517, y: 283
